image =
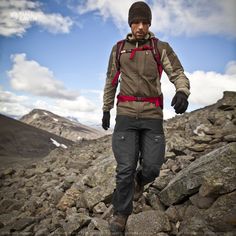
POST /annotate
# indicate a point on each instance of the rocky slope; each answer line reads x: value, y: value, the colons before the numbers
x: 69, y: 192
x: 21, y: 142
x: 66, y: 128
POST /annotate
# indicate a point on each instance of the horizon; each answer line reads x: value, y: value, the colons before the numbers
x: 54, y: 55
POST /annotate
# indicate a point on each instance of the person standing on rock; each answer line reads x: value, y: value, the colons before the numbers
x: 138, y: 134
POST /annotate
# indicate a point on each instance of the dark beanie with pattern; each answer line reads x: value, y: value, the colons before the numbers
x: 140, y: 11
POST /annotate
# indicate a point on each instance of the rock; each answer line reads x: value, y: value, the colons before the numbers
x: 5, y: 204
x: 230, y: 138
x: 69, y: 199
x: 22, y: 223
x: 153, y: 200
x: 42, y: 232
x: 209, y: 166
x: 228, y: 128
x: 8, y: 218
x: 163, y: 180
x: 198, y: 147
x: 99, y: 226
x: 170, y: 155
x: 173, y: 214
x: 9, y: 171
x: 74, y: 222
x: 101, y: 177
x: 155, y: 222
x: 222, y: 214
x: 201, y: 130
x: 177, y: 144
x: 196, y: 225
x: 100, y: 208
x: 184, y: 161
x: 201, y: 202
x: 219, y: 218
x: 59, y: 231
x: 223, y: 181
x: 202, y: 139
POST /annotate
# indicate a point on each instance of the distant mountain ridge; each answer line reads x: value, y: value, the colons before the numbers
x: 68, y: 128
x: 19, y: 140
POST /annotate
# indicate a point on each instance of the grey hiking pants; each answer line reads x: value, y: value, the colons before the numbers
x: 135, y: 141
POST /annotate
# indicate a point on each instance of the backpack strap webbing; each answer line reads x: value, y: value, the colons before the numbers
x: 119, y: 46
x: 156, y: 55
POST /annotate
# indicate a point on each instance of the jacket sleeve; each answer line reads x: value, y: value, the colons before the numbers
x: 109, y: 89
x: 174, y: 70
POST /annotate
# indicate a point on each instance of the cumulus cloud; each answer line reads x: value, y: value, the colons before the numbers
x: 82, y: 107
x: 206, y: 87
x: 17, y: 16
x: 172, y: 17
x: 30, y: 76
x: 81, y: 104
x: 12, y: 104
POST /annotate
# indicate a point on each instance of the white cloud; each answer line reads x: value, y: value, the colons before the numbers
x: 82, y: 107
x: 195, y: 17
x: 231, y: 68
x: 206, y: 87
x: 9, y: 97
x: 12, y: 104
x: 17, y: 16
x: 172, y: 17
x: 81, y: 104
x: 30, y: 76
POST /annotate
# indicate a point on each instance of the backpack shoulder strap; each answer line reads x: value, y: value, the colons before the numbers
x: 119, y: 46
x: 156, y: 54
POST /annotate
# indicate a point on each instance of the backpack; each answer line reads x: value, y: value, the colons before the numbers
x: 119, y: 50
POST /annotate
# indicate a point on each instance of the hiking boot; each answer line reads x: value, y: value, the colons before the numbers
x: 117, y: 224
x: 138, y: 189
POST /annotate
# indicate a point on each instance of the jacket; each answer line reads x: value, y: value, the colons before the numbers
x: 140, y: 78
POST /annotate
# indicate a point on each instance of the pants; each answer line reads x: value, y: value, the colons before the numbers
x: 135, y: 141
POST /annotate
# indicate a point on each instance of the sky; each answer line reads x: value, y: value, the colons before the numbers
x: 54, y: 54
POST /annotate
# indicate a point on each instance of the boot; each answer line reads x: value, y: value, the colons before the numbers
x: 138, y: 189
x: 117, y: 224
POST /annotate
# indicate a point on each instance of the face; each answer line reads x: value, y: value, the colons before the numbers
x: 139, y: 29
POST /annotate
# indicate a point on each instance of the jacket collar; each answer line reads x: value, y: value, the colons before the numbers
x: 130, y: 38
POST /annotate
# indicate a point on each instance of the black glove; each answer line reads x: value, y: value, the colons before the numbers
x: 106, y: 120
x: 180, y: 102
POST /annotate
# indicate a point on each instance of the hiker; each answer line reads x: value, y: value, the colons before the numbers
x: 138, y: 140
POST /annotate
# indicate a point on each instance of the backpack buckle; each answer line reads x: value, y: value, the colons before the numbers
x: 138, y: 99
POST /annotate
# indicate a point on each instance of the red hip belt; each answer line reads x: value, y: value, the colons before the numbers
x: 158, y: 101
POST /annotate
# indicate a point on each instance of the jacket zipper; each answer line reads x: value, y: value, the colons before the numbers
x: 137, y: 103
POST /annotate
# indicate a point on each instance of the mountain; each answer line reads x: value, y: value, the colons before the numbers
x: 19, y: 141
x: 68, y: 128
x: 69, y: 192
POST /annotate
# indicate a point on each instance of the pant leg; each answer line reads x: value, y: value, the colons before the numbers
x: 125, y: 147
x: 153, y: 151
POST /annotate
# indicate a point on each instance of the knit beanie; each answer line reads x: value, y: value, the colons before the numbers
x: 139, y: 11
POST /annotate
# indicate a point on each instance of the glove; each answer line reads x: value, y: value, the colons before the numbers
x: 106, y: 120
x: 180, y: 102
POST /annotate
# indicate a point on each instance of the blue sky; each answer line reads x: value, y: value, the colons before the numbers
x: 54, y: 54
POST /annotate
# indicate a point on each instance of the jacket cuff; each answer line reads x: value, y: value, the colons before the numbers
x: 184, y: 90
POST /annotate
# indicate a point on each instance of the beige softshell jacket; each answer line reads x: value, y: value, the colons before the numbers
x: 139, y: 77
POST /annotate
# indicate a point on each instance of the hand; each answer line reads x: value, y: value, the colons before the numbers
x: 106, y: 120
x: 180, y: 102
